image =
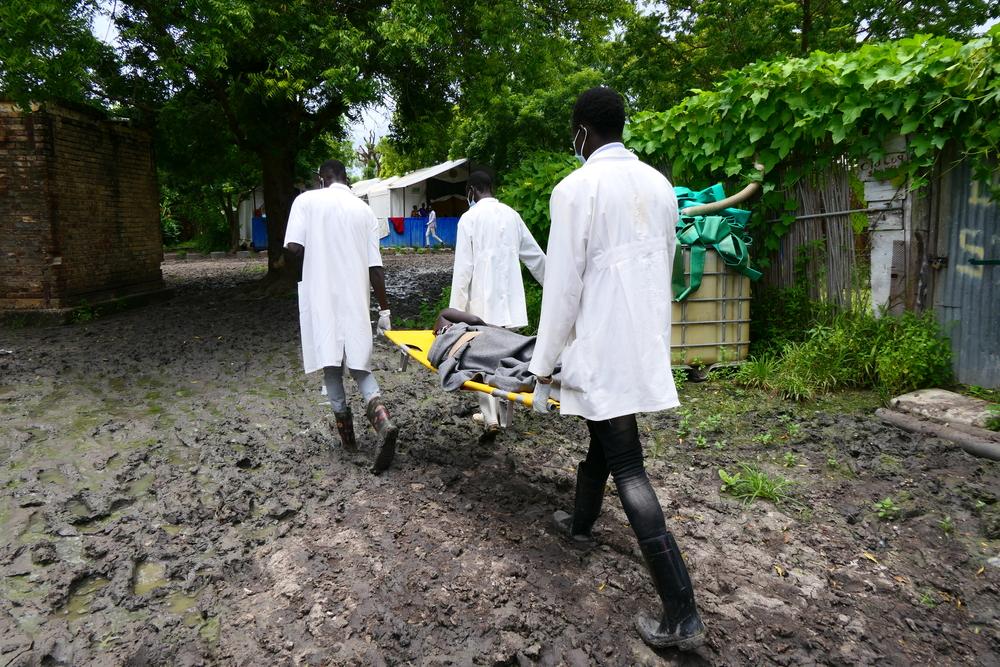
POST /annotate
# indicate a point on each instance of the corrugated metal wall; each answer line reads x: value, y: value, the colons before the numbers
x: 414, y: 230
x: 968, y: 293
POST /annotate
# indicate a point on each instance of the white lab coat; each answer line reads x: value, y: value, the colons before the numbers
x: 606, y: 298
x: 486, y: 280
x: 340, y: 235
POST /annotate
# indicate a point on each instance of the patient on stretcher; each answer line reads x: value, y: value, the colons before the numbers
x: 467, y: 348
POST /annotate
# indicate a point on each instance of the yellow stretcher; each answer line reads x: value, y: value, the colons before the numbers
x: 415, y: 345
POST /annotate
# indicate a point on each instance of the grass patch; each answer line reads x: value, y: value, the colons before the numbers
x: 856, y: 350
x: 750, y: 483
x: 887, y: 509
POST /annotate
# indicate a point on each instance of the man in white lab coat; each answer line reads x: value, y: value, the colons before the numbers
x: 606, y: 317
x: 486, y: 281
x: 338, y: 235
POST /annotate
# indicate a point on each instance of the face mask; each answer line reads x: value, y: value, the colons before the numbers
x: 579, y: 154
x: 472, y: 202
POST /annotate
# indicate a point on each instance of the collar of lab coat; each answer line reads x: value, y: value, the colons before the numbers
x: 480, y: 201
x: 612, y: 151
x: 340, y: 186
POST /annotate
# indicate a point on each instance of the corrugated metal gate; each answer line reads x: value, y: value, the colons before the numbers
x: 967, y: 295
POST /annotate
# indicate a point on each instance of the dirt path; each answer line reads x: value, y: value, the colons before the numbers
x: 174, y: 494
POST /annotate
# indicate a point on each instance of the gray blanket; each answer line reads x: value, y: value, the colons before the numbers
x: 496, y: 357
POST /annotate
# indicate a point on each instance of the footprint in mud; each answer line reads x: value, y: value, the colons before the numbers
x: 149, y: 575
x: 82, y: 594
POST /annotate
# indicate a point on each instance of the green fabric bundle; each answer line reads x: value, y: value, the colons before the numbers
x: 725, y: 233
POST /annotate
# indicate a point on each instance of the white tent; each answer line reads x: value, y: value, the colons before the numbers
x: 361, y: 188
x: 410, y: 189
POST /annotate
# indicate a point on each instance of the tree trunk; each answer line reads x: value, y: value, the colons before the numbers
x: 233, y: 218
x: 278, y: 174
x: 806, y: 26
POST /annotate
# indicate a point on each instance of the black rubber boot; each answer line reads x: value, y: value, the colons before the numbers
x: 586, y: 509
x: 386, y: 432
x: 345, y: 428
x: 679, y: 626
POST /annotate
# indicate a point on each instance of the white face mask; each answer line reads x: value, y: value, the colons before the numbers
x: 472, y: 202
x: 578, y: 154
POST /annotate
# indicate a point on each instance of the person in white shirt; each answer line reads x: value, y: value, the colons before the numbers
x: 606, y: 317
x: 432, y: 223
x: 486, y: 281
x: 338, y: 235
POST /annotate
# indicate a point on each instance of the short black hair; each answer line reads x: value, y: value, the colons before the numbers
x: 481, y: 181
x: 602, y: 109
x: 333, y: 170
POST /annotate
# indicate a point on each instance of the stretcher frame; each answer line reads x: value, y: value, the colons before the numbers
x: 414, y: 344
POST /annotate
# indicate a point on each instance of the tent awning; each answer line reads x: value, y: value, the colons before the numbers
x: 428, y: 172
x: 381, y: 185
x: 361, y: 188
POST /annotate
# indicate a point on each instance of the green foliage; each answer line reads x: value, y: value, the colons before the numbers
x: 856, y: 349
x: 790, y: 460
x: 170, y: 229
x: 47, y: 51
x: 533, y: 301
x: 799, y: 115
x: 887, y: 509
x: 781, y: 316
x: 495, y: 80
x: 917, y: 356
x: 664, y: 49
x: 427, y: 315
x: 750, y: 483
x: 947, y: 525
x: 527, y: 189
x: 993, y: 420
x: 83, y: 314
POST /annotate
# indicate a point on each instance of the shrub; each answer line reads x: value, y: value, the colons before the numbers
x: 529, y: 186
x: 916, y: 356
x: 427, y: 315
x: 856, y: 349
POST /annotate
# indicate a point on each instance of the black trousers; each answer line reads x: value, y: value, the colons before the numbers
x: 615, y: 450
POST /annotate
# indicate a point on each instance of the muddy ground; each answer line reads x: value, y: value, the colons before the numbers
x: 174, y: 494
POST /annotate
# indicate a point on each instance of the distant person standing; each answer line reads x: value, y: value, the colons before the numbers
x: 431, y: 233
x: 486, y: 282
x: 422, y: 213
x: 415, y: 213
x: 606, y: 319
x: 338, y: 235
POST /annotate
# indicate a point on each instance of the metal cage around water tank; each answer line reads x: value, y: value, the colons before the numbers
x: 712, y: 326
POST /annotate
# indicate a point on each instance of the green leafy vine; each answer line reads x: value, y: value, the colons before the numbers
x: 798, y: 116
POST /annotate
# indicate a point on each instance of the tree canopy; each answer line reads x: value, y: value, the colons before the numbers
x: 265, y: 88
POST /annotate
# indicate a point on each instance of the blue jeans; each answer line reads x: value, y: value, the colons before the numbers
x: 333, y: 377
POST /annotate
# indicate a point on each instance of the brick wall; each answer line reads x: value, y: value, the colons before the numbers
x: 79, y: 209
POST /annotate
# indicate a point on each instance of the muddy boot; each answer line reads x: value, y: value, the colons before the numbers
x: 586, y: 509
x: 386, y: 432
x: 679, y: 625
x: 345, y: 427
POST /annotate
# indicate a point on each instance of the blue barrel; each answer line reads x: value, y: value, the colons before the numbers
x: 258, y: 232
